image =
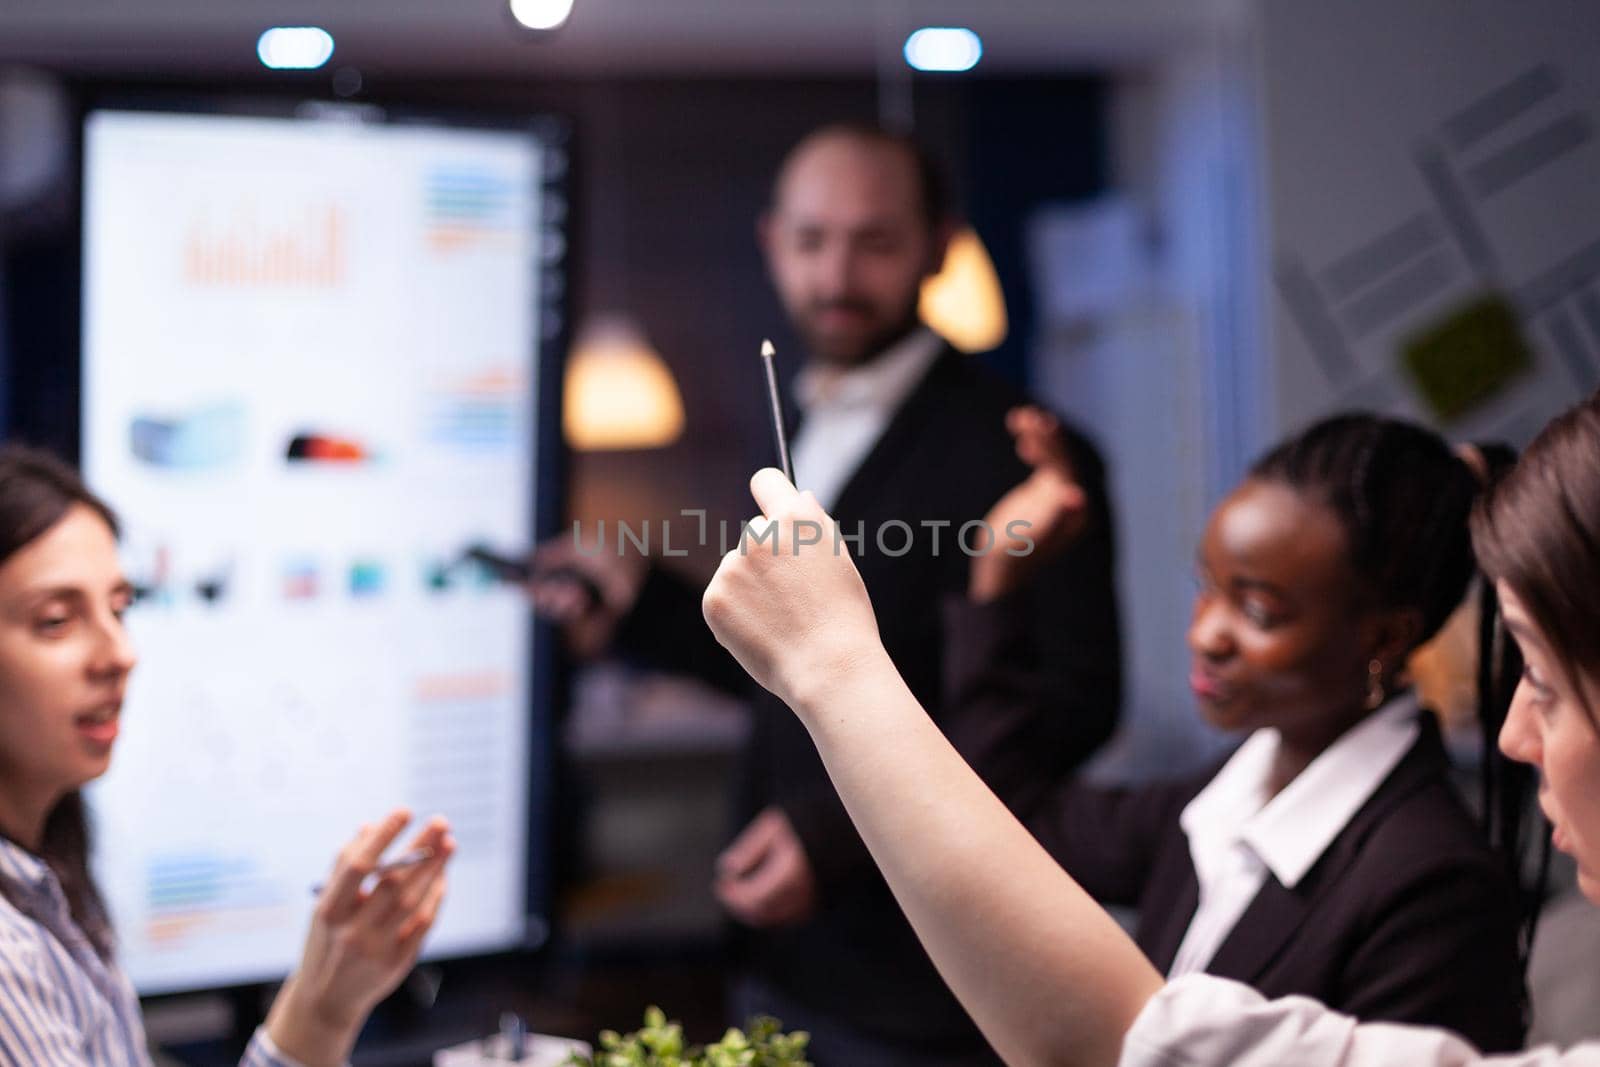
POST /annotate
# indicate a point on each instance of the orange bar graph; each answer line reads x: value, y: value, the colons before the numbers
x: 308, y: 252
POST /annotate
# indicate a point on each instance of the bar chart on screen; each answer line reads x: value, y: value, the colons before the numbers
x: 297, y: 248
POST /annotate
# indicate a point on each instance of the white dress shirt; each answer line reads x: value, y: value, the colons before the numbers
x: 1201, y: 1020
x: 1238, y: 834
x: 847, y: 410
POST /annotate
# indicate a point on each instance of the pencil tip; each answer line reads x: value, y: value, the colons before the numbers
x: 767, y: 349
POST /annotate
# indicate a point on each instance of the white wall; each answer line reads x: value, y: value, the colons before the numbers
x: 1300, y: 188
x: 1152, y: 346
x: 1363, y: 101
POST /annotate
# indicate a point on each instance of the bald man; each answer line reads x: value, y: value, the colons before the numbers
x: 899, y: 434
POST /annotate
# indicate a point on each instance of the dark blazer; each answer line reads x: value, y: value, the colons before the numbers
x: 1407, y: 917
x: 945, y: 458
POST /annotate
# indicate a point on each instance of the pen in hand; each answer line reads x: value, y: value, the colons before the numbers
x: 780, y: 434
x: 399, y: 863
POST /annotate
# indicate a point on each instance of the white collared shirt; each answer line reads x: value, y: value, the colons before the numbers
x: 1238, y: 835
x: 1204, y: 1021
x: 847, y: 410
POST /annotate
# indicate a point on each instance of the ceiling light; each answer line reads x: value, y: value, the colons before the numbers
x: 295, y: 47
x: 944, y: 48
x: 963, y: 302
x: 541, y: 14
x: 619, y: 392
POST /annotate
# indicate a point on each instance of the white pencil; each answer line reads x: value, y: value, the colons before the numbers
x: 768, y: 353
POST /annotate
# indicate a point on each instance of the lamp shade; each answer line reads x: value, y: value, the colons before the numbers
x: 963, y: 302
x: 618, y: 392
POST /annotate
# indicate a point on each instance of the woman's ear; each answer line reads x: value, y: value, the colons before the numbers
x: 1392, y: 635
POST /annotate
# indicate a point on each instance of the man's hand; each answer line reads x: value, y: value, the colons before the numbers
x: 1038, y: 518
x: 587, y: 593
x: 764, y: 878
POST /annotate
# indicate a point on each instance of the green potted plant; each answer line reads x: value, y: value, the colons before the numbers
x: 659, y: 1043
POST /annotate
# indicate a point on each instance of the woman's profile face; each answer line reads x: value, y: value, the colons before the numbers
x: 1549, y: 726
x: 64, y: 658
x: 1276, y: 633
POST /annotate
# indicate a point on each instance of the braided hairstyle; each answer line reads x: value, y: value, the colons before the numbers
x: 1402, y: 498
x: 36, y: 491
x: 1405, y: 500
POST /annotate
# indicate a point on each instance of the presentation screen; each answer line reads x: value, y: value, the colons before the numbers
x: 311, y: 360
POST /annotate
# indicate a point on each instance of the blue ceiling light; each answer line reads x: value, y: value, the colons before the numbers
x: 943, y: 48
x: 295, y: 47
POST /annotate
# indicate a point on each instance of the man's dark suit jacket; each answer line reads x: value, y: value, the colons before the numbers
x: 1407, y: 917
x: 945, y: 457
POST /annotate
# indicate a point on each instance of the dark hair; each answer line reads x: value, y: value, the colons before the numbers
x: 36, y: 491
x: 1403, y: 499
x: 1511, y: 819
x: 932, y: 187
x: 1538, y: 531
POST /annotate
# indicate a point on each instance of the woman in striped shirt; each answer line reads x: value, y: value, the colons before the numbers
x: 65, y: 659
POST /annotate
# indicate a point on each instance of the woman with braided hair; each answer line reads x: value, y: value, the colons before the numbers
x: 1329, y: 855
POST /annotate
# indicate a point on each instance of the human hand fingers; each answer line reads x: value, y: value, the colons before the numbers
x: 1039, y: 440
x: 343, y: 893
x: 607, y: 578
x: 775, y: 893
x: 416, y: 927
x: 750, y: 900
x: 773, y: 493
x: 410, y: 884
x: 1046, y: 515
x: 788, y: 602
x: 559, y: 601
x: 747, y: 850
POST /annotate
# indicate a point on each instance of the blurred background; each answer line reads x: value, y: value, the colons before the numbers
x: 1208, y: 223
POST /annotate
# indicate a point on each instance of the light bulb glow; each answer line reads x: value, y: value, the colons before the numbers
x: 295, y: 47
x: 943, y: 48
x: 541, y: 14
x: 619, y: 393
x: 963, y: 303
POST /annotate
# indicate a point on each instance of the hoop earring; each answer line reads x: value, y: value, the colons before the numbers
x: 1375, y: 693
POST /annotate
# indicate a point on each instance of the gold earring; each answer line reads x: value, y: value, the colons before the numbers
x: 1375, y: 693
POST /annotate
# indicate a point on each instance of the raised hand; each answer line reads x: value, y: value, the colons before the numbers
x: 788, y: 602
x: 1038, y: 518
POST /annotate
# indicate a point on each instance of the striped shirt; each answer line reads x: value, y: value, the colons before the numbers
x: 61, y: 1004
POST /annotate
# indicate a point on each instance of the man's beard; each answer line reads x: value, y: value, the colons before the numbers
x: 853, y: 353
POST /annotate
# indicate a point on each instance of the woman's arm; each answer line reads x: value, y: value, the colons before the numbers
x: 1047, y: 975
